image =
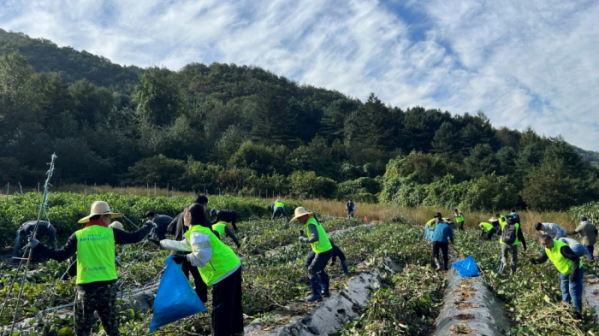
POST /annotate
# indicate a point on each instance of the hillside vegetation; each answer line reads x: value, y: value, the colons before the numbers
x: 242, y: 129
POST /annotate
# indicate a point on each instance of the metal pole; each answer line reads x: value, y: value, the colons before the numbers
x: 154, y: 190
x: 7, y: 191
x: 39, y: 216
x: 84, y: 198
x: 167, y: 187
x: 21, y: 188
x: 148, y: 189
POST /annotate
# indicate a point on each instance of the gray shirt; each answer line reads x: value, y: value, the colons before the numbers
x: 554, y: 230
x: 587, y: 232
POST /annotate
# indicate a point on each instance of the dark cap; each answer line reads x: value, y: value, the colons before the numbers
x: 456, y: 210
x: 438, y: 214
x: 583, y: 218
x: 150, y: 214
x: 201, y: 199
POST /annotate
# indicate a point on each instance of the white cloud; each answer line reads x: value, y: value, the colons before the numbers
x: 521, y: 62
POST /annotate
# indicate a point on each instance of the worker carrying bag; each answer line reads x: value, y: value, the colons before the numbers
x: 510, y: 232
x: 175, y: 298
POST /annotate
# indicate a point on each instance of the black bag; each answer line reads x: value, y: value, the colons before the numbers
x: 510, y: 233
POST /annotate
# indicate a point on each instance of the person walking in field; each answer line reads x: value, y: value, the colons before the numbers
x: 162, y: 221
x: 514, y: 215
x: 551, y: 229
x: 511, y: 238
x: 441, y: 237
x: 568, y: 264
x: 219, y: 267
x: 588, y: 232
x: 487, y: 229
x: 459, y: 217
x: 350, y: 207
x: 228, y: 216
x: 96, y: 269
x: 278, y: 210
x: 222, y: 230
x: 177, y: 228
x: 317, y: 237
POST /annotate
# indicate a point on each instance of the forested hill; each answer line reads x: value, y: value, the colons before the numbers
x: 243, y: 129
x: 72, y: 65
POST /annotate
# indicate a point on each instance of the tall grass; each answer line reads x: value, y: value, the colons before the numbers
x: 377, y: 212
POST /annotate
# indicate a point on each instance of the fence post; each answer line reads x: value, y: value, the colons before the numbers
x: 167, y: 187
x: 154, y: 190
x: 84, y: 198
x: 7, y: 191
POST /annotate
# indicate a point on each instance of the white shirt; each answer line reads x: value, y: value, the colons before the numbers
x: 554, y: 230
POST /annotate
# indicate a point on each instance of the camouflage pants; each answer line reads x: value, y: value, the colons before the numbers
x: 102, y: 300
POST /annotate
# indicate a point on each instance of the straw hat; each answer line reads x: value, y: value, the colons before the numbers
x: 492, y: 219
x: 100, y: 208
x: 299, y: 212
x: 117, y: 225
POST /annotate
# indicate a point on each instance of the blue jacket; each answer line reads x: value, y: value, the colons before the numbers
x: 442, y: 232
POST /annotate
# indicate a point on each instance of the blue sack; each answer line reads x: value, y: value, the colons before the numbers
x: 467, y: 267
x: 175, y: 299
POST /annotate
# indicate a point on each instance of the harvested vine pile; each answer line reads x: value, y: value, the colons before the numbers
x: 407, y: 304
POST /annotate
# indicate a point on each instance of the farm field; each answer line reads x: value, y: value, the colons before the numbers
x: 406, y: 301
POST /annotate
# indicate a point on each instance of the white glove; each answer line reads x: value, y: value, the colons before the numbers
x: 33, y: 243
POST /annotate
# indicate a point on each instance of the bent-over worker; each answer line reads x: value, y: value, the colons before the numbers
x: 551, y: 229
x: 162, y: 221
x: 568, y: 264
x: 588, y: 232
x: 278, y: 210
x: 45, y: 231
x: 229, y: 216
x: 221, y: 229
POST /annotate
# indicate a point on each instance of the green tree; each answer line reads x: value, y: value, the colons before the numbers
x: 157, y: 96
x: 481, y: 161
x: 490, y: 192
x: 443, y: 141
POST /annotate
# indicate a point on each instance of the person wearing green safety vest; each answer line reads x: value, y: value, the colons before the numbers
x: 222, y: 230
x: 321, y: 246
x: 512, y: 248
x: 459, y: 217
x: 278, y: 210
x: 488, y: 229
x: 568, y: 264
x: 219, y: 267
x: 96, y: 269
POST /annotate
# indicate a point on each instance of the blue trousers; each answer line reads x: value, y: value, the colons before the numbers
x: 572, y: 291
x: 590, y: 249
x: 580, y: 250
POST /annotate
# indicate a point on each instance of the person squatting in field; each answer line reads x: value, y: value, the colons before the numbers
x: 222, y: 230
x: 96, y: 269
x: 162, y: 221
x: 321, y: 246
x: 219, y: 267
x: 44, y: 229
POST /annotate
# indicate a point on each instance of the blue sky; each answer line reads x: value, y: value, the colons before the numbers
x: 524, y: 63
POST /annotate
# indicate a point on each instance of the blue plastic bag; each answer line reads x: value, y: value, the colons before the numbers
x: 467, y: 267
x: 175, y: 299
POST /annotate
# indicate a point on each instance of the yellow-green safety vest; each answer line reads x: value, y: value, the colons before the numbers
x: 503, y: 224
x: 486, y: 226
x: 223, y: 260
x: 431, y: 223
x: 502, y: 221
x: 459, y: 218
x: 220, y: 228
x: 95, y: 254
x: 323, y: 244
x: 279, y: 205
x: 563, y: 264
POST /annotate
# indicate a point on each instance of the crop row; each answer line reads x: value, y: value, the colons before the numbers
x: 532, y: 296
x: 65, y: 209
